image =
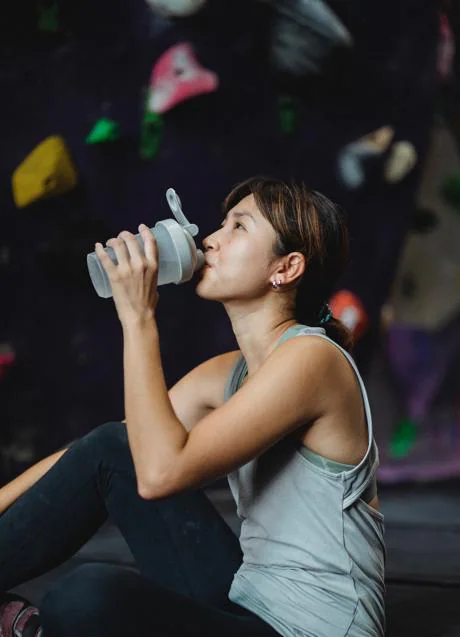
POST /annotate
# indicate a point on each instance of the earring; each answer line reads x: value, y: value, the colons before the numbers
x: 276, y: 284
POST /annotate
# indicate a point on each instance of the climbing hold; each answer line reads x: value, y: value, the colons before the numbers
x: 352, y: 156
x: 48, y: 17
x: 446, y: 48
x: 304, y: 34
x: 287, y: 113
x: 46, y: 172
x: 7, y: 358
x: 151, y: 134
x: 349, y: 309
x: 403, y: 438
x: 104, y: 130
x: 450, y: 190
x: 176, y: 8
x: 176, y: 77
x: 403, y: 158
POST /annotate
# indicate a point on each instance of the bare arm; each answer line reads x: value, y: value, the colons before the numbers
x: 14, y: 489
x: 192, y: 398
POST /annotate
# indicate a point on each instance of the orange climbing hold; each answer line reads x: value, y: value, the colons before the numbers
x: 348, y: 308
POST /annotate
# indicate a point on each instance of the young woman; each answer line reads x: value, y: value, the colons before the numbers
x: 285, y: 417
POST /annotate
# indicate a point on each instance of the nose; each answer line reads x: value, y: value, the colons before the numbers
x: 209, y: 242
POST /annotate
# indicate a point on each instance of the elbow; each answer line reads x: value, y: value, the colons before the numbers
x: 153, y: 489
x: 145, y: 491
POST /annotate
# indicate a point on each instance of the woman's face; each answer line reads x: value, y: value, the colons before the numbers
x: 240, y: 255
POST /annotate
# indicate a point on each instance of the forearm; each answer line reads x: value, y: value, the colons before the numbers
x: 156, y: 436
x: 14, y: 489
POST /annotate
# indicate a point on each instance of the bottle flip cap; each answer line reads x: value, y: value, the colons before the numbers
x: 176, y: 208
x: 188, y: 257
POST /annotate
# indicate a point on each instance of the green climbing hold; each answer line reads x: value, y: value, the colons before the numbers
x: 403, y: 439
x: 151, y: 133
x: 450, y: 190
x: 104, y: 130
x: 48, y: 18
x: 287, y: 113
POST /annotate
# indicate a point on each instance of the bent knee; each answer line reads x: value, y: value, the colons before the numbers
x: 104, y: 450
x: 106, y: 437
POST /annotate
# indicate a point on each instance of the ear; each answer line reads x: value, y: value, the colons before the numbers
x: 292, y: 268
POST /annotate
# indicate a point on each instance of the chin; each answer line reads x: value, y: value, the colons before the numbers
x: 207, y: 292
x: 203, y: 294
x: 200, y: 289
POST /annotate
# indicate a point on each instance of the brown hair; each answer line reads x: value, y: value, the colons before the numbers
x: 305, y: 221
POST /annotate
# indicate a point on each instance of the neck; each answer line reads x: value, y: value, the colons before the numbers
x: 257, y: 335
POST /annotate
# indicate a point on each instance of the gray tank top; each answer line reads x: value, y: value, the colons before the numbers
x: 313, y: 548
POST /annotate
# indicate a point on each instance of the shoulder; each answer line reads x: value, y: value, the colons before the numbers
x: 313, y: 357
x: 307, y: 353
x: 310, y: 350
x: 299, y: 356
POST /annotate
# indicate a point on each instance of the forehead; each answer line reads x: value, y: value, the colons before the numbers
x: 249, y: 201
x: 259, y: 224
x: 247, y: 208
x: 248, y: 204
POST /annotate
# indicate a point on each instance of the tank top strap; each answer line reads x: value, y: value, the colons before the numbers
x: 239, y: 369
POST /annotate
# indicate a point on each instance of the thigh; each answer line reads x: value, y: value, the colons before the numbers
x: 180, y: 542
x: 104, y: 600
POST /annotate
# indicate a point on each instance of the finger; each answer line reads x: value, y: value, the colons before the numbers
x: 133, y: 247
x: 107, y: 263
x: 121, y: 251
x: 150, y: 244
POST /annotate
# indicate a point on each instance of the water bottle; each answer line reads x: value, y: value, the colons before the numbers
x: 178, y: 255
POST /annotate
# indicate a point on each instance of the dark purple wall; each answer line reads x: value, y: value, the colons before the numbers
x: 68, y: 376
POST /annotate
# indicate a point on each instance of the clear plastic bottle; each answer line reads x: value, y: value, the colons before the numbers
x: 178, y: 255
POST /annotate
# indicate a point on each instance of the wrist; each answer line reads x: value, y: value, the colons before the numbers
x: 140, y: 322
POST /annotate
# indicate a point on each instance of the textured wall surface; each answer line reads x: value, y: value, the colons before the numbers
x: 68, y: 376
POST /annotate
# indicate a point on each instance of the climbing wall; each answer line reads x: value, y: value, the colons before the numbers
x: 84, y: 72
x: 417, y: 391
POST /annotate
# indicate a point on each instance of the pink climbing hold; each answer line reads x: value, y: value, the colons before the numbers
x: 176, y: 77
x: 7, y: 358
x: 446, y: 48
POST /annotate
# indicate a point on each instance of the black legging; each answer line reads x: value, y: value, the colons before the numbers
x: 186, y: 553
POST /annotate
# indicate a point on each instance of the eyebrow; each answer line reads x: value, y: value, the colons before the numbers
x: 241, y: 214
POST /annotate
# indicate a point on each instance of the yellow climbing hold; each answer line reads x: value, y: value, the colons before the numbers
x: 46, y: 172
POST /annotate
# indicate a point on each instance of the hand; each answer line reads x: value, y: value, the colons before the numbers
x: 134, y: 279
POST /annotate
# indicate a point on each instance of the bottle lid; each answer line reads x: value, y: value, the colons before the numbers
x: 187, y: 256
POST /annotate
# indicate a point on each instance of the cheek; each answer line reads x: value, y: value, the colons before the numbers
x: 244, y: 265
x: 245, y: 253
x: 247, y: 271
x: 240, y: 261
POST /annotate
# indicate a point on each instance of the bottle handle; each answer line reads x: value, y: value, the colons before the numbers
x: 176, y: 208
